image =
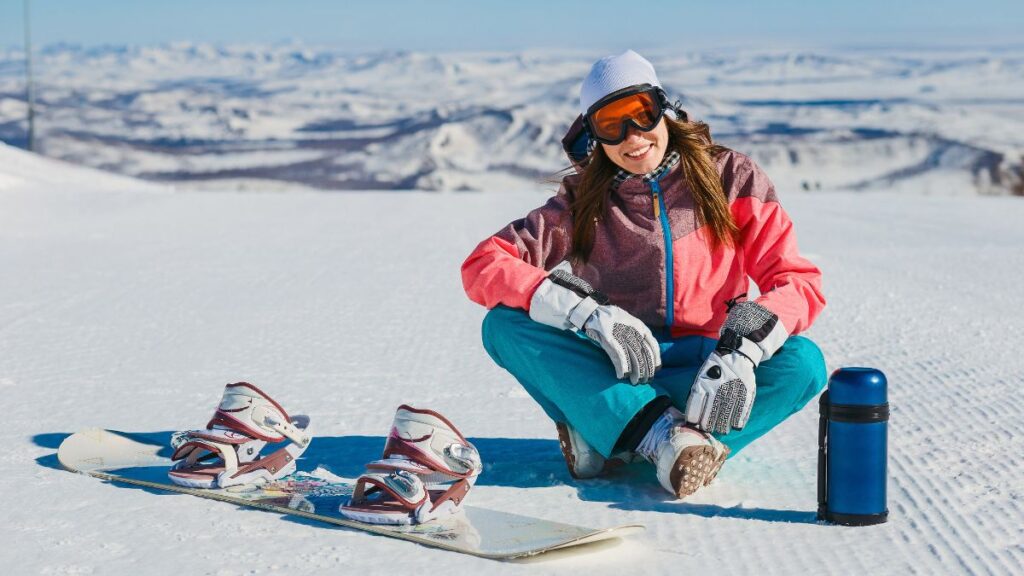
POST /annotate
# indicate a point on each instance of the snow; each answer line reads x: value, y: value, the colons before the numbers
x: 849, y: 118
x: 20, y: 170
x: 131, y: 310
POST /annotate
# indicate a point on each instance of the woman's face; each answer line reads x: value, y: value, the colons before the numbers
x: 640, y: 152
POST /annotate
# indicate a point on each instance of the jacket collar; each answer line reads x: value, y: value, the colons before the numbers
x: 667, y: 173
x: 667, y: 164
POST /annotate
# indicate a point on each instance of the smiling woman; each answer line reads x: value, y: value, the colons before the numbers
x: 620, y: 305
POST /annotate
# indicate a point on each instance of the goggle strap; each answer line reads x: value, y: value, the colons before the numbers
x: 620, y: 94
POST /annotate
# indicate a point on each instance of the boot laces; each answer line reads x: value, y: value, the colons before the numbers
x: 659, y: 432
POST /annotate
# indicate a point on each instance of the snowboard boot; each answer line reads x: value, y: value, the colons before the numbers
x: 686, y: 458
x: 580, y: 457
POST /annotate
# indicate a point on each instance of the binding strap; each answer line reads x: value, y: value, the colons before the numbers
x: 408, y: 491
x: 405, y: 487
x: 464, y: 456
x: 196, y: 449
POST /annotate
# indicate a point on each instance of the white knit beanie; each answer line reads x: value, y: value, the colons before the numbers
x: 613, y: 73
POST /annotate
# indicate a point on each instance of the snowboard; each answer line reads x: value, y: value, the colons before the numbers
x: 137, y: 460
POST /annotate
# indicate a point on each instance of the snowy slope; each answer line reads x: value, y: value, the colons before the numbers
x: 133, y: 310
x: 287, y: 115
x: 21, y: 170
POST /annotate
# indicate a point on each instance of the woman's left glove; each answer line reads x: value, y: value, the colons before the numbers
x: 568, y: 302
x: 724, y: 390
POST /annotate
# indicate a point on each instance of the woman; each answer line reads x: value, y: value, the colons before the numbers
x: 620, y: 305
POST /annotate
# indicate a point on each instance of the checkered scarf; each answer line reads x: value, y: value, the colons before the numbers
x: 671, y: 159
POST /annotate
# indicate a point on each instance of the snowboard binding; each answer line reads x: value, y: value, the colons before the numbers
x: 425, y: 473
x: 228, y: 452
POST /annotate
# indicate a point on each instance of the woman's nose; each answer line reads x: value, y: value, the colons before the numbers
x: 633, y: 133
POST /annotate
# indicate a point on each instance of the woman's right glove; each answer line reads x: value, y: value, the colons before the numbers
x: 568, y: 302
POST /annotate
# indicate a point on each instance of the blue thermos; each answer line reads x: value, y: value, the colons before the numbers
x: 852, y: 434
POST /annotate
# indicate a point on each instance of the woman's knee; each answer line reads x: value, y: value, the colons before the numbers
x: 502, y: 325
x: 500, y: 320
x: 811, y: 363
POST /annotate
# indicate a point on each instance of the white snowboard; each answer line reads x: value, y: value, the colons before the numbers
x: 120, y: 457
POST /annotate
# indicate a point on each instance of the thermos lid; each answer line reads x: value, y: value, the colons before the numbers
x: 857, y: 386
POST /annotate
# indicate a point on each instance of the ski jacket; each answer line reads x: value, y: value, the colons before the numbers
x: 652, y: 258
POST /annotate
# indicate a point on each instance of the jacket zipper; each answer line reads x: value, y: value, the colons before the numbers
x: 662, y: 214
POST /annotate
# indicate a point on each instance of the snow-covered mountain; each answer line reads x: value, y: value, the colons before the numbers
x: 256, y: 116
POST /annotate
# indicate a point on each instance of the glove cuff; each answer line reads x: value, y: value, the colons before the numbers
x: 564, y: 301
x: 565, y: 278
x: 582, y: 312
x: 752, y: 330
x: 730, y: 342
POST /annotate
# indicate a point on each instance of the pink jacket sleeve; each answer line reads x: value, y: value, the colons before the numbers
x: 507, y: 267
x: 790, y: 284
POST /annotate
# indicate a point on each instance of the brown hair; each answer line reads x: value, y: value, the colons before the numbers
x: 697, y: 153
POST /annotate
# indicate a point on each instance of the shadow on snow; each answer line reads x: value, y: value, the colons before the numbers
x: 508, y: 462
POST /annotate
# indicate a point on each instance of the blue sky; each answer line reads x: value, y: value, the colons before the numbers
x: 442, y: 25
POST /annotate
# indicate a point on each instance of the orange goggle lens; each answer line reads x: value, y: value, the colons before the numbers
x: 609, y: 121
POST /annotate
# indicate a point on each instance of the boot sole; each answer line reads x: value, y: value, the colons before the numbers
x: 695, y: 468
x: 718, y: 465
x: 565, y: 444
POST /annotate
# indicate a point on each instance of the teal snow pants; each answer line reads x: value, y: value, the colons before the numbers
x: 574, y: 381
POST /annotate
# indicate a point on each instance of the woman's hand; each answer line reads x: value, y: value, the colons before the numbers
x: 723, y: 392
x: 628, y: 342
x: 568, y: 302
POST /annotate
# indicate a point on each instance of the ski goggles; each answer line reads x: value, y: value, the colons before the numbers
x: 609, y: 118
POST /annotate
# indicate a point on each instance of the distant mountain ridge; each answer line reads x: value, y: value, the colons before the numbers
x: 284, y: 116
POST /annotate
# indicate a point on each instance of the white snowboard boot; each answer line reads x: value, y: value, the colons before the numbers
x: 580, y: 457
x: 686, y: 458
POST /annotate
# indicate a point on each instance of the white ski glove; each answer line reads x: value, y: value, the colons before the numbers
x: 724, y: 390
x: 568, y: 302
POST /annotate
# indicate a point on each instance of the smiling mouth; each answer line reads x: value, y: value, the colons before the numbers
x: 638, y: 153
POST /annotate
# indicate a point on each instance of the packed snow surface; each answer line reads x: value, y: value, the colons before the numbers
x: 131, y: 310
